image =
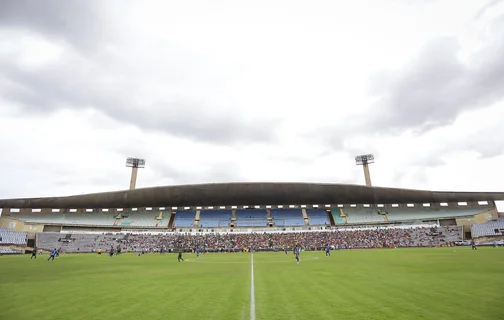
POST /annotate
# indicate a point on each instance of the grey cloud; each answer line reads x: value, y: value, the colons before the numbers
x: 40, y: 92
x: 488, y: 142
x: 419, y: 175
x: 435, y: 88
x: 434, y: 161
x: 216, y: 172
x: 78, y: 22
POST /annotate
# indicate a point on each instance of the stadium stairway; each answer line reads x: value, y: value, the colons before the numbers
x: 305, y: 217
x: 343, y: 215
x: 331, y: 219
x: 171, y: 221
x: 197, y: 218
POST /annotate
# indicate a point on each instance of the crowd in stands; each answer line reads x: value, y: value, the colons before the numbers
x: 348, y: 239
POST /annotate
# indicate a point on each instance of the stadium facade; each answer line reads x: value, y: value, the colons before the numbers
x: 253, y: 207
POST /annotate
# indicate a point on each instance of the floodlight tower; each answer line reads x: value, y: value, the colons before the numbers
x: 364, y: 161
x: 134, y: 164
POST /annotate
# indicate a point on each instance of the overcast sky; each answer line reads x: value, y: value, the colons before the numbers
x: 227, y: 91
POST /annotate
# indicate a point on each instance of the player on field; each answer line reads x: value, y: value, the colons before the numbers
x: 99, y: 251
x: 328, y: 251
x: 197, y: 252
x: 34, y: 253
x: 111, y: 253
x: 53, y: 254
x: 473, y: 245
x: 180, y: 256
x: 297, y: 251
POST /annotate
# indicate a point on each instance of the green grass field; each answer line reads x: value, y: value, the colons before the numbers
x: 437, y: 283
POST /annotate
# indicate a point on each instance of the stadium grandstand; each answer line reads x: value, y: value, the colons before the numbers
x: 238, y: 215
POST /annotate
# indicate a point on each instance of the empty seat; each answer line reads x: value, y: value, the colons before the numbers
x: 140, y: 219
x: 362, y: 215
x: 97, y: 219
x: 214, y: 218
x: 12, y: 237
x: 251, y: 217
x: 287, y: 217
x: 184, y: 219
x: 490, y: 228
x: 317, y: 217
x: 422, y: 213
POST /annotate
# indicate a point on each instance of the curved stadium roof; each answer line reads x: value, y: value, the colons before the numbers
x: 227, y: 194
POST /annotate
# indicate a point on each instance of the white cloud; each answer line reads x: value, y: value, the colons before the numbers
x: 283, y: 72
x: 29, y: 50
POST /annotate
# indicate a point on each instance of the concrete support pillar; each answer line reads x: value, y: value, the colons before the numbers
x: 134, y: 172
x: 472, y: 203
x: 367, y: 175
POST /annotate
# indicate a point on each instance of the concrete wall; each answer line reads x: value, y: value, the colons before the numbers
x: 479, y: 218
x: 17, y: 225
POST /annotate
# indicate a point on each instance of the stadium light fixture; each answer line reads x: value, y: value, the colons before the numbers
x: 364, y: 161
x: 134, y: 164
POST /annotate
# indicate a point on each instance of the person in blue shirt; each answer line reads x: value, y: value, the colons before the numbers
x: 297, y: 251
x: 53, y: 254
x: 328, y: 251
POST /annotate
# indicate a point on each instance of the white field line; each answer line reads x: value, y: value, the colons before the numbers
x: 252, y: 289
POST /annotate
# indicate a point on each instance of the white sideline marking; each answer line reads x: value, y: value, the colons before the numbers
x: 252, y: 290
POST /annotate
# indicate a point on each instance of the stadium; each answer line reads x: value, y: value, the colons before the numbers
x: 228, y: 222
x: 244, y: 120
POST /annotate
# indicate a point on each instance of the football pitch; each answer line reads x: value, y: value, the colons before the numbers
x: 427, y: 283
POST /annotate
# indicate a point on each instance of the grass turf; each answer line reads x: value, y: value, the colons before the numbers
x: 437, y: 283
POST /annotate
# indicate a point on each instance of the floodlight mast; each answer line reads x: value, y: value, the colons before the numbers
x: 364, y: 161
x: 134, y: 164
